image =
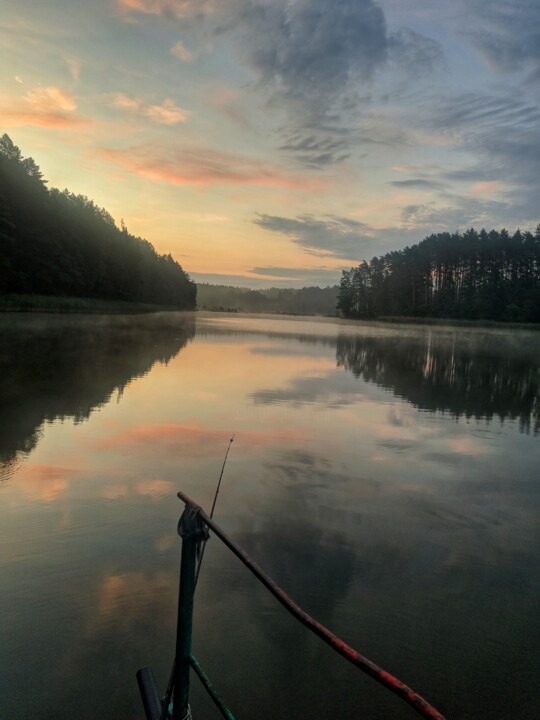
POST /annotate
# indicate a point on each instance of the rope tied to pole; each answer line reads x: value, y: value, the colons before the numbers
x: 191, y: 523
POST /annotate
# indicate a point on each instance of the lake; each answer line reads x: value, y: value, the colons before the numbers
x: 387, y: 476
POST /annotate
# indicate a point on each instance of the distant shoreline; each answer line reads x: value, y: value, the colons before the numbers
x: 18, y: 303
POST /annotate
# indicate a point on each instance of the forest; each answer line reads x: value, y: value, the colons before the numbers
x: 475, y: 275
x: 54, y: 242
x: 303, y: 301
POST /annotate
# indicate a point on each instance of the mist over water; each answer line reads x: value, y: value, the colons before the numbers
x: 385, y: 476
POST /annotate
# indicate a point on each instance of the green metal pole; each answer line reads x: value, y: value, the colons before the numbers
x: 189, y: 528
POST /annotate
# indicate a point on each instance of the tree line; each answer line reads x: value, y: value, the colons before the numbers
x: 475, y: 275
x: 302, y: 301
x: 55, y: 242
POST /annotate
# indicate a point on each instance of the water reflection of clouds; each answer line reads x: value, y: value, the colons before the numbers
x: 332, y: 389
x: 184, y: 439
x: 44, y: 482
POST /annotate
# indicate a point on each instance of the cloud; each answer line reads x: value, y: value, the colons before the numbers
x: 332, y: 237
x: 229, y: 101
x: 125, y: 102
x: 487, y: 188
x: 315, y: 149
x: 314, y: 276
x: 415, y: 53
x: 501, y: 136
x: 464, y: 212
x: 168, y: 113
x: 168, y: 8
x: 325, y: 49
x: 181, y: 52
x: 15, y: 118
x: 205, y: 166
x: 265, y: 277
x: 418, y: 184
x: 48, y: 107
x: 509, y: 35
x: 314, y: 60
x: 50, y: 99
x: 74, y: 67
x: 479, y: 111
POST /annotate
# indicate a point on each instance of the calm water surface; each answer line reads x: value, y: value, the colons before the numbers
x: 386, y: 476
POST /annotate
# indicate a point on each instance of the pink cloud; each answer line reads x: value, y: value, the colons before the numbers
x: 14, y: 118
x: 49, y: 107
x: 125, y: 102
x: 166, y: 114
x: 178, y: 8
x: 50, y: 99
x: 181, y: 52
x: 204, y: 166
x: 487, y: 188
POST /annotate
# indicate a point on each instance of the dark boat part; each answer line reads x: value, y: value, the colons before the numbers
x: 149, y: 693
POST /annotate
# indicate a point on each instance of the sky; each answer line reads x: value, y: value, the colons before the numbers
x: 276, y: 142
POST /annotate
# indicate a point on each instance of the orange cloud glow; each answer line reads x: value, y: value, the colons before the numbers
x: 124, y: 102
x: 14, y: 118
x: 166, y: 114
x: 204, y: 166
x: 487, y: 188
x: 44, y: 482
x: 49, y: 107
x: 179, y: 8
x: 50, y: 99
x: 191, y: 439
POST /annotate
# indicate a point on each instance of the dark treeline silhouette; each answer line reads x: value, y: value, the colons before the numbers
x: 304, y: 301
x: 474, y: 275
x: 54, y: 242
x: 69, y: 367
x: 484, y: 380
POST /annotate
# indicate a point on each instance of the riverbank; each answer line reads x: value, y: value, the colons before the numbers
x: 62, y: 304
x: 403, y: 320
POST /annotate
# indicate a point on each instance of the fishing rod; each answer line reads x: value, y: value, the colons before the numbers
x: 203, y: 545
x: 168, y: 693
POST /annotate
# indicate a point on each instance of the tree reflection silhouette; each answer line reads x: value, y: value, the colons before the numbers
x: 481, y: 380
x: 67, y: 366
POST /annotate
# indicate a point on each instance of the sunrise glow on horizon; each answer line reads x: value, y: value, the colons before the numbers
x: 275, y: 143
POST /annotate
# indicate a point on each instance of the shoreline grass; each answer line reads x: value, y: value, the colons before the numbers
x: 65, y: 304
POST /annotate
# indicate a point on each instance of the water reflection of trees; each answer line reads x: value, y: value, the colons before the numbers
x: 66, y: 366
x: 484, y: 379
